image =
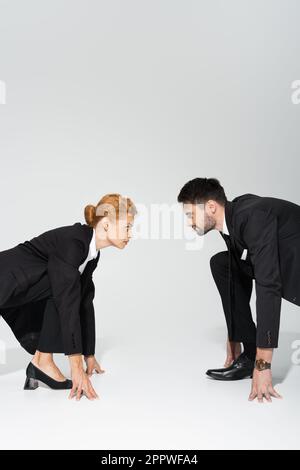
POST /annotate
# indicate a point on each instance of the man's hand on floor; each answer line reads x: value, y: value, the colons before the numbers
x: 262, y: 387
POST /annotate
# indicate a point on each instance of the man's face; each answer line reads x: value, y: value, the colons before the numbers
x: 199, y: 217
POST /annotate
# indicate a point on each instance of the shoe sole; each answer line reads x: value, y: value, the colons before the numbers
x: 222, y: 379
x: 33, y: 384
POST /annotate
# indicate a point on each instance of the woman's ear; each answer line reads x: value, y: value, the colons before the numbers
x: 105, y: 224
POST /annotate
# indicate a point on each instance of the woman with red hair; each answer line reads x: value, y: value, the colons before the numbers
x: 47, y: 292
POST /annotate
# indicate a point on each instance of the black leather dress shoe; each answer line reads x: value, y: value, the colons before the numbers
x: 34, y: 375
x: 241, y: 368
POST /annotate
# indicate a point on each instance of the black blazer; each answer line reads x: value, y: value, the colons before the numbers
x: 270, y: 229
x: 59, y: 253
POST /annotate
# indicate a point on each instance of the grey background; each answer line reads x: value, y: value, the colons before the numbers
x: 138, y: 97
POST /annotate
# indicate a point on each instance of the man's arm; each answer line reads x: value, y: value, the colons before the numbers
x: 261, y: 237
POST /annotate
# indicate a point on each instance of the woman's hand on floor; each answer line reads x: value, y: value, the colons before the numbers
x: 92, y: 364
x: 80, y: 379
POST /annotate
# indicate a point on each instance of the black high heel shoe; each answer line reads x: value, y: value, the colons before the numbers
x: 34, y: 375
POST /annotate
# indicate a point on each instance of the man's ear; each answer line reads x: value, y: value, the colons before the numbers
x: 212, y: 205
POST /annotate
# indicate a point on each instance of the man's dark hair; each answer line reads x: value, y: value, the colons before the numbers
x: 200, y: 190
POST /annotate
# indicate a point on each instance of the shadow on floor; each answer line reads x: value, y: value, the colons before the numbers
x: 17, y: 358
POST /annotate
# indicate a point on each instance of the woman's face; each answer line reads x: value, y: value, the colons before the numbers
x: 119, y: 232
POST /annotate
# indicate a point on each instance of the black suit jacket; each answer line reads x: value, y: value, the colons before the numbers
x: 270, y: 229
x: 59, y: 253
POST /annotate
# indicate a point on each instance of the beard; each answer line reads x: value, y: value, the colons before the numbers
x: 209, y: 224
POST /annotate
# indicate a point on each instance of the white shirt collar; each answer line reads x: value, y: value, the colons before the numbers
x: 225, y: 229
x: 92, y: 249
x: 93, y: 252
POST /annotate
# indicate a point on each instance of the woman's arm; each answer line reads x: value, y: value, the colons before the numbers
x: 87, y: 319
x: 88, y: 328
x: 64, y: 278
x: 66, y: 292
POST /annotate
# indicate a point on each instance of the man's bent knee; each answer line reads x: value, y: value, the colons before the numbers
x: 219, y: 259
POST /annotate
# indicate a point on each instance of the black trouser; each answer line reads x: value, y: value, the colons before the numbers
x: 240, y: 325
x: 50, y: 337
x: 39, y: 312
